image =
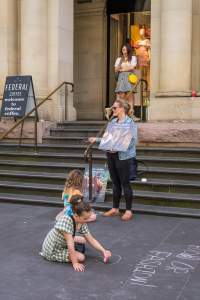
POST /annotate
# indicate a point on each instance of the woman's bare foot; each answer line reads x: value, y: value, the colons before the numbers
x: 112, y: 212
x: 127, y: 216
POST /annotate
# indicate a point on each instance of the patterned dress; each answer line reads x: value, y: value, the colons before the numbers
x: 54, y: 247
x: 123, y: 84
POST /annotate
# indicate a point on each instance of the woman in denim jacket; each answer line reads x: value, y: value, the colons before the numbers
x: 119, y: 163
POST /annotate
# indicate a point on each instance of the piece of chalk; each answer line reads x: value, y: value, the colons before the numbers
x: 105, y: 260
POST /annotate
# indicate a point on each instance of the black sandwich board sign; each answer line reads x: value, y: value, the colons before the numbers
x: 18, y: 97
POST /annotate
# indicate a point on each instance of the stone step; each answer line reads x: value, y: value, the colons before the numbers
x: 137, y: 208
x: 52, y: 157
x: 163, y: 199
x: 80, y: 147
x: 142, y: 197
x: 65, y: 132
x: 81, y: 124
x: 72, y: 140
x: 166, y: 186
x: 61, y: 167
x: 172, y: 162
x: 49, y: 148
x: 173, y: 174
x: 33, y: 177
x: 27, y: 188
x: 169, y: 152
x: 39, y: 166
x: 177, y: 162
x: 31, y: 199
x: 76, y: 127
x: 170, y: 173
x: 11, y: 141
x: 155, y: 210
x: 152, y: 185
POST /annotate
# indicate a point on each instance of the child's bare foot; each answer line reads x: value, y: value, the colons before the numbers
x: 60, y: 215
x: 92, y: 217
x: 112, y: 212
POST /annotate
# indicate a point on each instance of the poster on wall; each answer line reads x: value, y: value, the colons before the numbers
x: 18, y: 96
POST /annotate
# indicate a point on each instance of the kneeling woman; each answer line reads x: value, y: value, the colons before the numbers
x: 59, y: 244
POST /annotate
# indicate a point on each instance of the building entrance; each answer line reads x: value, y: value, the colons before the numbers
x: 128, y: 22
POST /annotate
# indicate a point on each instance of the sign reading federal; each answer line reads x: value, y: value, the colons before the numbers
x: 18, y: 97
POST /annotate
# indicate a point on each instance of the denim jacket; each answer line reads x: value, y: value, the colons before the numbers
x: 131, y: 151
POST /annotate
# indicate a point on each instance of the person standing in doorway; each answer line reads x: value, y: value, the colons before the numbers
x: 124, y: 66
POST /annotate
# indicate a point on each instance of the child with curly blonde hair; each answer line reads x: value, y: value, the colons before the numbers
x: 73, y: 186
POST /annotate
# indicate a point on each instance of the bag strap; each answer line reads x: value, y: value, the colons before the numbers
x: 74, y: 226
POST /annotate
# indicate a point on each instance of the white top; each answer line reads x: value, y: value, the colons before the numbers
x: 132, y: 63
x: 145, y: 43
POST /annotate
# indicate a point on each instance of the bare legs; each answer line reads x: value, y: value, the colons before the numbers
x: 80, y: 256
x: 131, y: 101
x: 121, y: 96
x: 129, y: 97
x: 79, y: 239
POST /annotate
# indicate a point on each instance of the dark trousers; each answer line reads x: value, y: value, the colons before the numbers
x: 120, y: 173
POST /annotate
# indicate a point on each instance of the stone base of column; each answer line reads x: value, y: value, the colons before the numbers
x: 169, y: 134
x: 28, y: 135
x: 71, y: 113
x: 174, y: 108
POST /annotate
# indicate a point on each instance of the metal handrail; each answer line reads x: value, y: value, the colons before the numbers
x: 88, y: 157
x: 36, y: 107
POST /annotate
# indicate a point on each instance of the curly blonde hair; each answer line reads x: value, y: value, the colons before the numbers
x: 74, y: 180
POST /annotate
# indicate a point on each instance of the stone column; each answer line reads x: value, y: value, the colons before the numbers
x: 60, y: 56
x: 90, y: 60
x: 196, y: 46
x: 176, y: 41
x: 8, y: 39
x: 155, y: 47
x: 34, y: 49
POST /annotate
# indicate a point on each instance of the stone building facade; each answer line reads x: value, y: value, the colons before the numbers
x: 66, y: 40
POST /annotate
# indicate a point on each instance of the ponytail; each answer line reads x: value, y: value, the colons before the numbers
x: 78, y: 206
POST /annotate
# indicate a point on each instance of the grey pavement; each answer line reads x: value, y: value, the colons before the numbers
x: 154, y: 258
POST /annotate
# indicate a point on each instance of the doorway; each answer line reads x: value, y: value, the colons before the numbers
x: 128, y: 22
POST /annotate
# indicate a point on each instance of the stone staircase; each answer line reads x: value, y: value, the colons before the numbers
x: 173, y: 174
